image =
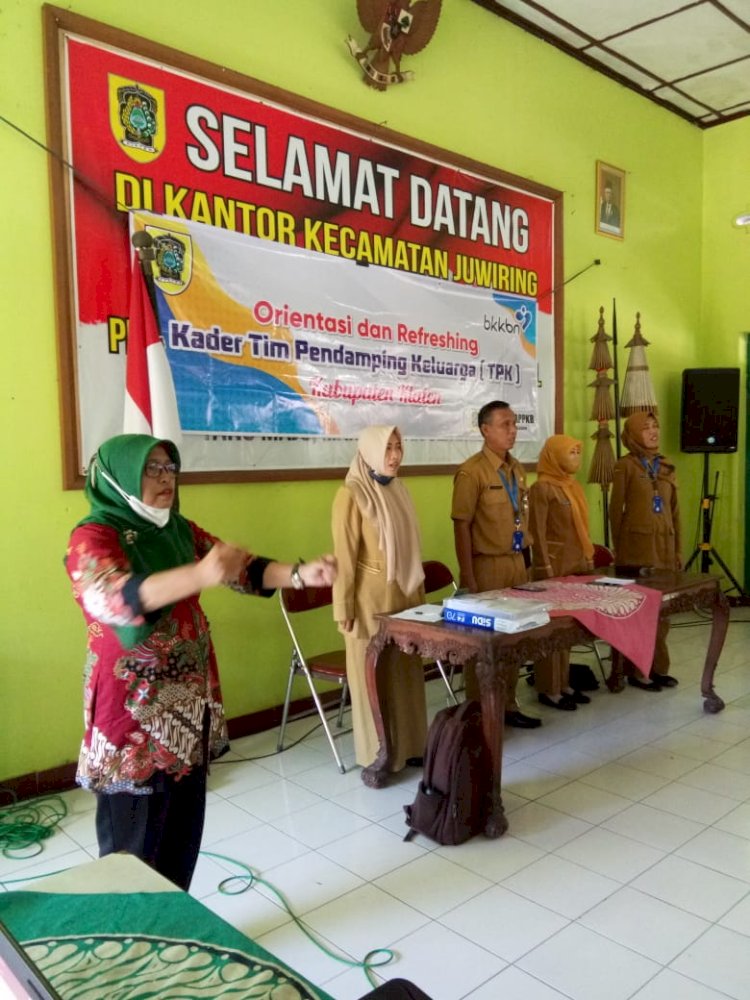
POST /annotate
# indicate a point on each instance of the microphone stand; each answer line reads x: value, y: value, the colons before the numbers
x: 144, y: 247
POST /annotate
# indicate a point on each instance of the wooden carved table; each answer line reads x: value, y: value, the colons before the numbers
x: 496, y: 652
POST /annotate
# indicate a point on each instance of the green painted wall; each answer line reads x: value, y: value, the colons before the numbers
x: 483, y: 88
x: 725, y: 316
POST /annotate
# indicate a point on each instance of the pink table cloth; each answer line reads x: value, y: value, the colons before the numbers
x: 624, y: 615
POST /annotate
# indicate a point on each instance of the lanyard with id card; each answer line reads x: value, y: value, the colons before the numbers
x: 512, y: 490
x: 652, y: 471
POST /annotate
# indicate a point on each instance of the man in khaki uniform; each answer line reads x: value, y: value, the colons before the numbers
x: 491, y: 528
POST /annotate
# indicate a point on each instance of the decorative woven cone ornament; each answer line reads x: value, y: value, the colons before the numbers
x: 601, y: 359
x: 637, y: 391
x: 603, y: 408
x: 602, y: 467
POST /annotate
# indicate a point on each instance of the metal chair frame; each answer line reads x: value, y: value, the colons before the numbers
x: 437, y: 576
x: 330, y: 666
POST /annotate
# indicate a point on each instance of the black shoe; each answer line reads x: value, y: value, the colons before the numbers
x: 582, y: 677
x: 566, y: 703
x: 415, y: 761
x: 578, y: 697
x: 665, y: 681
x: 636, y: 682
x: 518, y: 720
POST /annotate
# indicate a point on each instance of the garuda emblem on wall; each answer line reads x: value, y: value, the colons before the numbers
x: 396, y: 29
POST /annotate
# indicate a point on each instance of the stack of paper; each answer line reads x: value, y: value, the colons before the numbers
x: 495, y: 610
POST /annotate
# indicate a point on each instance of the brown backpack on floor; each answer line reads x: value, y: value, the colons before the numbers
x: 451, y: 801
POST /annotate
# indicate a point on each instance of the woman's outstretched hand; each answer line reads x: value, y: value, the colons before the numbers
x: 222, y: 564
x: 320, y: 572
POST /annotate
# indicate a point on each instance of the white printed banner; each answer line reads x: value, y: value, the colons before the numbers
x: 269, y: 341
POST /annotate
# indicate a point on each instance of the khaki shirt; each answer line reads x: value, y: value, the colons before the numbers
x: 480, y: 498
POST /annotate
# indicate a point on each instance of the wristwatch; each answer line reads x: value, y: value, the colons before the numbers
x: 297, y: 582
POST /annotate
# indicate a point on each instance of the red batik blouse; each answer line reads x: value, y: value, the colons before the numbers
x: 144, y: 706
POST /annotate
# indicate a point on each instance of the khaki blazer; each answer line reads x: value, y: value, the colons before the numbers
x: 361, y: 590
x: 556, y: 548
x: 640, y: 536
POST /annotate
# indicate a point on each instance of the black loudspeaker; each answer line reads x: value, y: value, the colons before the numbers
x: 710, y: 401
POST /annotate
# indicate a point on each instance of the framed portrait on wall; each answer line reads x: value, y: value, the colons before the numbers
x: 610, y: 201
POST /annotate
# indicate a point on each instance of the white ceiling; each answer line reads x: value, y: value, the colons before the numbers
x: 691, y: 57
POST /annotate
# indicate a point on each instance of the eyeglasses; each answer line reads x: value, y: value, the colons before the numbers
x: 155, y: 469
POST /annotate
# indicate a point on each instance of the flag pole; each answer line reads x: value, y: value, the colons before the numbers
x: 150, y: 399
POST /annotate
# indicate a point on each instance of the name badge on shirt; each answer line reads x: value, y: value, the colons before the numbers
x: 658, y: 504
x: 517, y: 540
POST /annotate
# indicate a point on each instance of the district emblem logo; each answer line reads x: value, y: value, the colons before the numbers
x: 137, y: 119
x: 173, y: 261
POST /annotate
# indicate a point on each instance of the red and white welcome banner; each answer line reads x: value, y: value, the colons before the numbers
x: 419, y: 244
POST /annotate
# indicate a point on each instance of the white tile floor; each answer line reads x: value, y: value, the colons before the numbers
x: 625, y: 872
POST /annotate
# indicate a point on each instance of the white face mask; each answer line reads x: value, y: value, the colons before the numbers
x: 154, y: 515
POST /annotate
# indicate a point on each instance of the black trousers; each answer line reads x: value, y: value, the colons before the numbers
x: 163, y: 829
x: 396, y: 989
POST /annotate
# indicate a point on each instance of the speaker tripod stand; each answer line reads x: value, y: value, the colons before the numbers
x: 707, y: 552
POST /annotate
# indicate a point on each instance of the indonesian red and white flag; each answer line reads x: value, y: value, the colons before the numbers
x: 150, y: 400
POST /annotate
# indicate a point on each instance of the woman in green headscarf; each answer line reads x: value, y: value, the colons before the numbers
x: 153, y: 707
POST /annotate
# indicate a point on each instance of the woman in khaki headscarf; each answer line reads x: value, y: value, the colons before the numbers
x: 376, y: 540
x: 559, y: 525
x: 645, y: 519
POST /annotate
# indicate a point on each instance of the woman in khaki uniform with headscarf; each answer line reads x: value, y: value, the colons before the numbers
x: 376, y: 541
x: 559, y: 523
x: 645, y: 519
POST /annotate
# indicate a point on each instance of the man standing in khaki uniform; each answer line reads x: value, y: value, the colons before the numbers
x: 490, y: 523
